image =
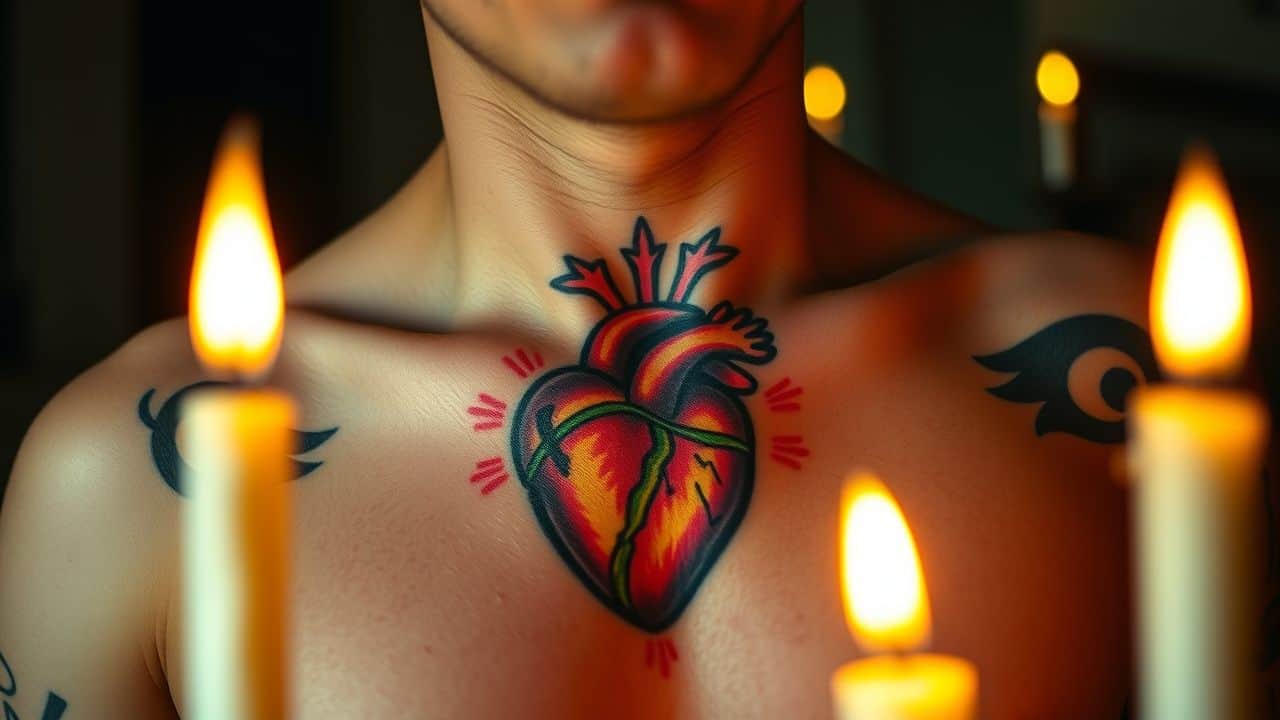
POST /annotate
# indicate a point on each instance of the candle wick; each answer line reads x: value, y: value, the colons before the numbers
x: 1208, y: 382
x: 899, y: 654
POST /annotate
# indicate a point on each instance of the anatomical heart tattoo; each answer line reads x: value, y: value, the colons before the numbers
x: 639, y: 460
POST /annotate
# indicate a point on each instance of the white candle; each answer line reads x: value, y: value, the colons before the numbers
x: 1195, y: 452
x: 919, y: 686
x: 237, y: 552
x: 237, y: 441
x: 1059, y: 85
x: 1057, y: 145
x: 887, y: 609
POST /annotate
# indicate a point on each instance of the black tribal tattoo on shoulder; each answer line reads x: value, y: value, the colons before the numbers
x: 1080, y: 369
x: 54, y: 704
x: 164, y: 437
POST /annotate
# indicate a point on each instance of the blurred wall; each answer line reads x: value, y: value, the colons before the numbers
x: 1231, y: 37
x: 69, y: 263
x: 386, y: 117
x: 938, y: 97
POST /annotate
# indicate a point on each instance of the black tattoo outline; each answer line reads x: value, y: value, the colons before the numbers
x: 164, y: 437
x: 54, y: 704
x: 13, y: 680
x: 1043, y: 360
x: 720, y: 374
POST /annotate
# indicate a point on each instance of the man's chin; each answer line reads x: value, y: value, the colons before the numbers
x: 633, y: 105
x: 636, y: 63
x: 645, y: 63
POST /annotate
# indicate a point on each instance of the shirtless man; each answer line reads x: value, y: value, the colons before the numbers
x: 598, y: 372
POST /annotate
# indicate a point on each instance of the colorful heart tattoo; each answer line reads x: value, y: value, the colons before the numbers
x: 639, y: 460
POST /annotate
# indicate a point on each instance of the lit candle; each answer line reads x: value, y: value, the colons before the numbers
x: 824, y: 98
x: 887, y: 609
x: 238, y: 514
x: 1059, y: 85
x: 1195, y: 453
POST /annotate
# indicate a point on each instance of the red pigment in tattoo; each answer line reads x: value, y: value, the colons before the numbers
x: 523, y: 365
x: 491, y: 472
x: 662, y: 651
x: 489, y: 411
x: 788, y: 450
x: 782, y: 396
x: 639, y: 457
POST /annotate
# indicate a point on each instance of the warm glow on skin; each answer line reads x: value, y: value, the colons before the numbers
x: 1200, y: 307
x: 824, y: 92
x: 237, y: 299
x: 885, y: 602
x: 1057, y: 79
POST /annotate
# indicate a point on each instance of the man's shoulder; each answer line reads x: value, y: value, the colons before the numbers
x: 83, y: 481
x: 1052, y: 324
x: 100, y: 429
x: 85, y: 428
x: 993, y: 289
x: 88, y: 536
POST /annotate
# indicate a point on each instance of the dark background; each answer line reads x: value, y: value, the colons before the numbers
x: 109, y: 112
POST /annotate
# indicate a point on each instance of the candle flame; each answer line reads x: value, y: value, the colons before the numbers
x: 1057, y: 79
x: 885, y: 601
x: 237, y: 298
x: 1200, y: 308
x: 824, y: 92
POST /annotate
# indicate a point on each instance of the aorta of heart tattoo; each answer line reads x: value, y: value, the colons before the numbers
x: 639, y: 460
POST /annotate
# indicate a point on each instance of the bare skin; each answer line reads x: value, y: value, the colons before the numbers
x: 417, y: 596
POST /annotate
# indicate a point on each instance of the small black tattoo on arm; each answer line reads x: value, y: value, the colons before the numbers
x: 164, y: 437
x: 1080, y: 369
x: 54, y: 705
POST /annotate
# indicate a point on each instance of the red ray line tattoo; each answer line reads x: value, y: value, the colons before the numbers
x: 492, y: 401
x: 782, y: 396
x: 777, y: 387
x: 506, y: 360
x: 788, y: 450
x: 485, y: 474
x: 784, y: 460
x: 489, y: 411
x: 787, y: 394
x: 494, y: 484
x: 522, y: 365
x: 661, y: 651
x: 491, y: 472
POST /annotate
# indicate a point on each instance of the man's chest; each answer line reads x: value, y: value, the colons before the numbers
x: 461, y: 556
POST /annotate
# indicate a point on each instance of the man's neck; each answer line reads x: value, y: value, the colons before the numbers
x: 529, y: 184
